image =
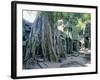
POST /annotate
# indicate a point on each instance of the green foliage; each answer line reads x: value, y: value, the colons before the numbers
x: 76, y: 19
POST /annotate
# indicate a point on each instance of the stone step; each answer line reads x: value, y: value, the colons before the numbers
x: 42, y: 65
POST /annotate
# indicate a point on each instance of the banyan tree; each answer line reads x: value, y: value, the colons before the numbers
x: 42, y: 42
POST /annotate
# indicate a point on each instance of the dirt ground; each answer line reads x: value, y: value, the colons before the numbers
x: 80, y: 59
